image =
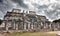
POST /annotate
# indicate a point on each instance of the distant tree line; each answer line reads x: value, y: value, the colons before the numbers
x: 56, y: 21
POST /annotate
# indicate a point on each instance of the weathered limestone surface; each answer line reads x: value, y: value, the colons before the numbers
x: 20, y: 21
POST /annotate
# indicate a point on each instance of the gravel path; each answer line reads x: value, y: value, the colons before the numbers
x: 54, y: 32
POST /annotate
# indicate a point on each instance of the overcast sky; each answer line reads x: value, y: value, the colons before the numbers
x: 48, y: 8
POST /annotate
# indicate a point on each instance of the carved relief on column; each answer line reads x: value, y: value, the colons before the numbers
x: 34, y: 26
x: 20, y: 26
x: 29, y: 26
x: 50, y: 26
x: 25, y: 26
x: 42, y: 26
x: 17, y: 26
x: 6, y: 26
x: 14, y: 26
x: 58, y: 25
x: 39, y: 26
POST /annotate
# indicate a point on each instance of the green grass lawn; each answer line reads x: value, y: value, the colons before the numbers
x: 29, y: 34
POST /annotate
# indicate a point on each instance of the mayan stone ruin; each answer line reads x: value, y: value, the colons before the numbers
x: 27, y: 21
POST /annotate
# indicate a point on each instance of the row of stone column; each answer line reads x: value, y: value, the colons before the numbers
x: 26, y: 26
x: 34, y: 26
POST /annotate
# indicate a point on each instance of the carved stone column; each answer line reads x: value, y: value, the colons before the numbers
x: 29, y: 26
x: 6, y: 26
x: 49, y: 26
x: 17, y: 26
x: 25, y: 26
x: 14, y: 26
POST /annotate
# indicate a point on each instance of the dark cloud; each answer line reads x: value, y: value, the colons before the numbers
x: 53, y: 13
x: 40, y: 6
x: 1, y: 1
x: 50, y: 13
x: 21, y: 3
x: 8, y: 5
x: 4, y: 7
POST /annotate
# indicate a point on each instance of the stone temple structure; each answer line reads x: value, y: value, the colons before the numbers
x: 26, y: 21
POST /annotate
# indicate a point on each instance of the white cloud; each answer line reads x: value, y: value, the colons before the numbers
x: 43, y: 7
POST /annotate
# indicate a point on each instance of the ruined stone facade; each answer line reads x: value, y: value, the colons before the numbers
x: 22, y: 21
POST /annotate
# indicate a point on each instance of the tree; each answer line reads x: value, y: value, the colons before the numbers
x: 56, y: 21
x: 1, y: 21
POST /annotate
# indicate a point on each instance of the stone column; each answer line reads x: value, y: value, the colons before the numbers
x: 34, y: 26
x: 22, y: 26
x: 44, y: 26
x: 39, y: 26
x: 6, y: 26
x: 14, y: 26
x: 58, y: 26
x: 17, y: 26
x: 25, y: 26
x: 50, y: 26
x: 29, y: 26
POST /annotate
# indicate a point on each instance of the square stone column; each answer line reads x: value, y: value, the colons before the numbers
x: 39, y: 26
x: 6, y: 27
x: 29, y: 26
x: 50, y: 26
x: 25, y: 26
x: 16, y: 26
